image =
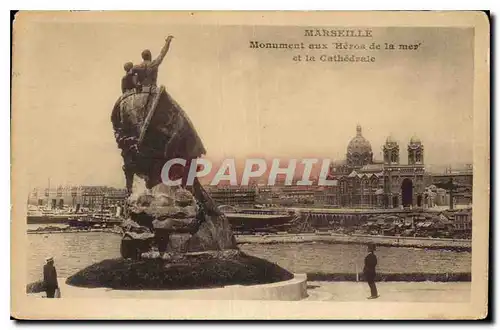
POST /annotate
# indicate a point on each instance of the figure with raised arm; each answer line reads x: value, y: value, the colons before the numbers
x: 147, y: 71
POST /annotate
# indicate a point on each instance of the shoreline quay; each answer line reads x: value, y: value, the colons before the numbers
x: 458, y: 245
x: 73, y: 231
x: 390, y: 241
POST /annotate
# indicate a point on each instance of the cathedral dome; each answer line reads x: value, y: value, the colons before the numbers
x: 415, y: 140
x: 390, y: 141
x: 359, y: 145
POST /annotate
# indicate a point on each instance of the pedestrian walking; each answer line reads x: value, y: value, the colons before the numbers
x: 369, y: 271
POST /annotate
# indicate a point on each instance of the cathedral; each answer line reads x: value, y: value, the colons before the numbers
x: 365, y: 183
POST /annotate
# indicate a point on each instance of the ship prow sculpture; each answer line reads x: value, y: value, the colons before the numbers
x: 174, y: 219
x: 174, y: 237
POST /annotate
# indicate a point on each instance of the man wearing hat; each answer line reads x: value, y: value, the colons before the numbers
x: 50, y: 277
x: 369, y: 271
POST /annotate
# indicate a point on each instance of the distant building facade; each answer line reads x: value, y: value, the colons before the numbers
x: 463, y: 178
x: 244, y: 196
x: 463, y: 223
x: 362, y: 182
x: 365, y: 183
x: 73, y: 196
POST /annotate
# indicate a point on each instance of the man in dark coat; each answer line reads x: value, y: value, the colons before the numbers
x: 369, y: 271
x: 50, y: 278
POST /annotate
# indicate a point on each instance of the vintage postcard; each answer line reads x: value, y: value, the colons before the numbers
x: 250, y: 165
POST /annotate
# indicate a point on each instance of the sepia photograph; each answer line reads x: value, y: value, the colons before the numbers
x: 250, y: 165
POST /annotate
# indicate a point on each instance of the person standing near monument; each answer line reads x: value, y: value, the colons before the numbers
x: 50, y: 278
x: 369, y: 271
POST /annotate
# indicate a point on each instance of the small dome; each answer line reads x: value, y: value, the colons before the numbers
x: 359, y: 145
x: 390, y: 140
x: 415, y: 140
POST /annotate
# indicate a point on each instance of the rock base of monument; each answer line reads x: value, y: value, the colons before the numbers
x: 202, y: 270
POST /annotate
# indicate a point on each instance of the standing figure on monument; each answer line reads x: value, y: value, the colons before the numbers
x: 151, y: 129
x: 128, y: 82
x: 147, y: 71
x: 128, y: 125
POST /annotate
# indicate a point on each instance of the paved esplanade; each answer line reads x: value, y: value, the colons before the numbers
x: 320, y: 291
x: 390, y: 291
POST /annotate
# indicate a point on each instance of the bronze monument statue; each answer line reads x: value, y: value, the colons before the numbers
x: 151, y: 128
x: 173, y: 237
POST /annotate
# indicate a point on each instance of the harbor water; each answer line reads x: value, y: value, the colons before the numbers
x: 74, y: 251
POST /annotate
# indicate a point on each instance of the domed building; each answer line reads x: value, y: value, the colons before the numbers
x: 359, y: 150
x: 366, y: 183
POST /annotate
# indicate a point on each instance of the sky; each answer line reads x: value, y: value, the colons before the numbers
x: 243, y: 102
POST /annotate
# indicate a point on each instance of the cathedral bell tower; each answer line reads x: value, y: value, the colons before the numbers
x: 391, y: 151
x: 415, y: 152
